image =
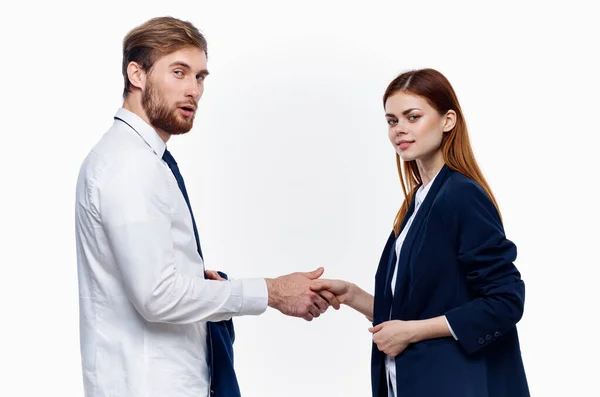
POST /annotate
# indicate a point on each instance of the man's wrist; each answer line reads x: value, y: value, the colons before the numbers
x: 272, y: 292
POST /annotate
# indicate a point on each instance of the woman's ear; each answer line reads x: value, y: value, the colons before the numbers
x: 449, y: 120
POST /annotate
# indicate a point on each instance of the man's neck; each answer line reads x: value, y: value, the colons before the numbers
x: 134, y: 105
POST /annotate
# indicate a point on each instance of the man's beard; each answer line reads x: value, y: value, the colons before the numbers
x: 162, y: 116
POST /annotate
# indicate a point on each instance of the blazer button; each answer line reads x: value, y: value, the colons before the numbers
x: 497, y: 334
x: 488, y: 337
x: 481, y: 341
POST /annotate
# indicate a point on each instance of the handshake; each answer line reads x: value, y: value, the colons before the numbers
x: 302, y: 294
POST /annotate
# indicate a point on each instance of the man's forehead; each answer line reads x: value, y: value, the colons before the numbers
x: 190, y: 57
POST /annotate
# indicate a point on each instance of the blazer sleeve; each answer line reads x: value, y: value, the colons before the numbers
x: 487, y: 257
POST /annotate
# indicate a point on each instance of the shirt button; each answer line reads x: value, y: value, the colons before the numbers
x: 481, y: 341
x: 497, y: 334
x: 488, y: 337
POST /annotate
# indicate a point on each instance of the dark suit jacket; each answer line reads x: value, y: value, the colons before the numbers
x: 455, y: 261
x: 220, y: 337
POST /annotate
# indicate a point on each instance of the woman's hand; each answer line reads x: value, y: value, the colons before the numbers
x: 335, y: 292
x: 393, y: 337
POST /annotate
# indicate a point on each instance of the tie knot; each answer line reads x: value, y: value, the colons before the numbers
x: 168, y: 158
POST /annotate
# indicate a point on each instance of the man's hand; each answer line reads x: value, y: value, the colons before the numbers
x: 291, y: 295
x: 392, y: 337
x: 213, y: 275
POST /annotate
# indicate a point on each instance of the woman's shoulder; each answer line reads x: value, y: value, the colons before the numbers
x: 459, y: 191
x: 458, y: 184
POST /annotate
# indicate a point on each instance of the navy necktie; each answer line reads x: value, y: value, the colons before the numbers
x: 170, y: 160
x: 220, y: 335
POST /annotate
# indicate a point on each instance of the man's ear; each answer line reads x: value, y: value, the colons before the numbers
x: 137, y: 75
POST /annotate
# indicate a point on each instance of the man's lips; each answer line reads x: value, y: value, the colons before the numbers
x: 187, y: 110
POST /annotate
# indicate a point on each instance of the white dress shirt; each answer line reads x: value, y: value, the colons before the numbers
x: 144, y: 302
x: 390, y: 362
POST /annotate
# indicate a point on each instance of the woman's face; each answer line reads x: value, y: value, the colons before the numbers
x: 415, y: 128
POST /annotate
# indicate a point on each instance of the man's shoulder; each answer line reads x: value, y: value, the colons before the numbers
x: 118, y: 154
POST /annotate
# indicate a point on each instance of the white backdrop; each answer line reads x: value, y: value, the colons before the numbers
x: 289, y: 168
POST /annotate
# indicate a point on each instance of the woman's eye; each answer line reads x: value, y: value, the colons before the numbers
x: 392, y: 121
x: 178, y: 73
x: 413, y: 117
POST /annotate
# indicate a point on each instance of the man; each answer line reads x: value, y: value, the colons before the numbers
x: 152, y: 322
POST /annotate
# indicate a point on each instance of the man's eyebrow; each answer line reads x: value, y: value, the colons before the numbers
x: 184, y: 65
x: 180, y: 63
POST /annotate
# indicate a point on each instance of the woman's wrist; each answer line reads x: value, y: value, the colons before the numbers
x: 431, y: 328
x: 351, y: 295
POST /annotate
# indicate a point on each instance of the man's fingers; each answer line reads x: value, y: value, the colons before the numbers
x: 330, y: 298
x: 315, y: 274
x: 213, y: 275
x: 321, y: 304
x: 314, y: 311
x: 308, y: 317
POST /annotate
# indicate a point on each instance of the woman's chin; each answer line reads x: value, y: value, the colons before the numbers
x: 405, y: 156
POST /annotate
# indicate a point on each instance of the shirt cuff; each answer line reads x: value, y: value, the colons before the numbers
x: 450, y: 328
x: 255, y: 296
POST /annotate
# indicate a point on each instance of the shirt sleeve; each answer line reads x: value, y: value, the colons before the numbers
x: 450, y: 328
x: 134, y: 207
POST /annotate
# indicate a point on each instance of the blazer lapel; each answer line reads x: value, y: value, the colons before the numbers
x: 404, y: 271
x: 383, y: 290
x: 392, y: 253
x: 382, y: 302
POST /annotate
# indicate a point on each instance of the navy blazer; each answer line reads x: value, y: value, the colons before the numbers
x: 219, y: 338
x: 455, y: 261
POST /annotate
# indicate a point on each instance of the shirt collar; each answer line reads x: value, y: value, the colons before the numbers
x: 422, y: 191
x: 143, y: 129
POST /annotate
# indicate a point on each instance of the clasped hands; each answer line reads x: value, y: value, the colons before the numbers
x: 304, y: 295
x: 296, y: 294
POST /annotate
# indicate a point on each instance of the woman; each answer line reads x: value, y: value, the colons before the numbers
x: 447, y: 294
